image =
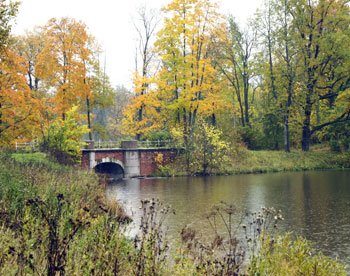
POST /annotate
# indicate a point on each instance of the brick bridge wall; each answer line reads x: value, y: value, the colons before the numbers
x: 146, y: 157
x: 147, y: 163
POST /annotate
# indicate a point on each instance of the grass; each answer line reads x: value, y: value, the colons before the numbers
x: 265, y: 161
x: 277, y: 161
x: 37, y: 158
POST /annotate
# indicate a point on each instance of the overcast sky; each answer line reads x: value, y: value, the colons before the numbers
x: 110, y: 21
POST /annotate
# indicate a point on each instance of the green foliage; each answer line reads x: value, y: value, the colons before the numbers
x: 272, y: 132
x: 157, y: 135
x: 37, y: 157
x: 13, y: 189
x: 251, y: 137
x: 209, y: 150
x: 61, y: 139
x: 339, y: 135
x: 8, y: 10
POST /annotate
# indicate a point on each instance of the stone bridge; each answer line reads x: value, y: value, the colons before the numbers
x: 127, y: 161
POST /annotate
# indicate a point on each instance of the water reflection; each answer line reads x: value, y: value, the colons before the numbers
x: 314, y: 204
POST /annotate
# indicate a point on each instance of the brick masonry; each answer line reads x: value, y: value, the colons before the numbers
x: 117, y: 154
x: 147, y: 158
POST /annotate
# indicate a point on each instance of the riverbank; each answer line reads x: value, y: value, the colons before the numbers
x: 247, y: 162
x: 54, y: 220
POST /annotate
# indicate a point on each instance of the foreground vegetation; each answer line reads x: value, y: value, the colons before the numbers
x: 54, y: 220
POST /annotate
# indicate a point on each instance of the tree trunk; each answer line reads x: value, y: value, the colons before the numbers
x: 186, y: 140
x: 245, y: 91
x: 0, y: 115
x: 246, y: 105
x: 89, y: 117
x: 287, y: 112
x: 286, y: 134
x: 272, y: 75
x: 30, y: 77
x: 140, y: 118
x: 305, y: 141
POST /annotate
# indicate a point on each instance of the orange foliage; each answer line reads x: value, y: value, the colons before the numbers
x: 62, y: 65
x: 19, y: 110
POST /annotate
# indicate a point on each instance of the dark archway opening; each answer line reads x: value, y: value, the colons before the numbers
x: 112, y: 170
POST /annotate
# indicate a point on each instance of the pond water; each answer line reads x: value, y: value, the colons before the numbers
x: 314, y: 204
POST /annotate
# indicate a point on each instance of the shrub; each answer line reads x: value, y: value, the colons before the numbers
x: 159, y: 135
x: 284, y: 255
x: 251, y: 137
x: 339, y: 137
x: 61, y: 139
x: 209, y: 150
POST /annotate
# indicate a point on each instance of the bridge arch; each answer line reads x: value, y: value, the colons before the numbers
x: 112, y: 167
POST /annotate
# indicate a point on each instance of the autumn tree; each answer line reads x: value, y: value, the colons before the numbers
x: 96, y: 89
x: 8, y: 11
x: 62, y: 63
x: 322, y: 33
x: 100, y: 98
x: 69, y: 70
x: 146, y: 24
x: 277, y: 47
x: 113, y: 116
x: 286, y: 66
x: 29, y: 46
x: 187, y: 83
x: 18, y: 108
x: 233, y: 57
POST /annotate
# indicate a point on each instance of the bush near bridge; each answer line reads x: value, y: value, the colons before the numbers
x: 62, y: 139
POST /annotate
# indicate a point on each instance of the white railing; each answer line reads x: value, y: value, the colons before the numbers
x: 141, y: 144
x: 32, y: 146
x: 157, y: 144
x: 107, y: 144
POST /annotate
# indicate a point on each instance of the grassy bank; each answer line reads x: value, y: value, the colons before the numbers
x: 54, y: 220
x: 277, y: 161
x: 247, y: 161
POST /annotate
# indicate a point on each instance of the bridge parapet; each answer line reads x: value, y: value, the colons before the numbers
x: 135, y: 162
x: 130, y: 144
x: 140, y: 144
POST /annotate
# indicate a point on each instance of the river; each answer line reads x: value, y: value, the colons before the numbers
x: 314, y: 204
